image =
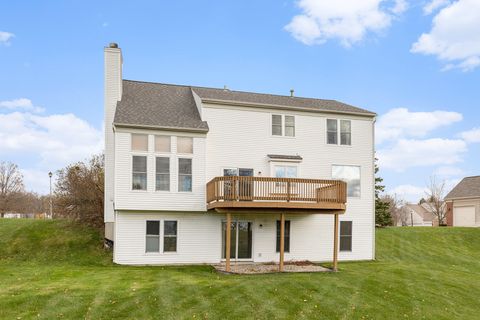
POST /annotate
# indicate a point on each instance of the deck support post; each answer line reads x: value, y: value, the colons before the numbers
x: 282, y: 241
x: 227, y: 241
x: 335, y: 243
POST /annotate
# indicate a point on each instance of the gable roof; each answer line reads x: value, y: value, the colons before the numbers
x: 469, y: 187
x: 148, y: 104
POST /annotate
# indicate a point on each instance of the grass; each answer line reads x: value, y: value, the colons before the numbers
x: 50, y: 270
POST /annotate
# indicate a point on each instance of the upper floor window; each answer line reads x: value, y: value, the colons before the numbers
x: 139, y: 142
x: 345, y: 132
x: 162, y: 144
x: 139, y: 173
x: 349, y: 174
x: 184, y: 145
x: 162, y: 181
x: 185, y: 175
x: 283, y: 125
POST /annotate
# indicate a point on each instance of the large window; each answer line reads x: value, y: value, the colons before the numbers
x: 152, y: 243
x: 139, y: 142
x: 345, y: 235
x: 139, y: 173
x: 185, y: 175
x: 184, y: 145
x: 351, y: 175
x: 345, y: 132
x: 162, y: 181
x: 283, y: 125
x: 162, y: 143
x: 170, y: 236
x: 286, y: 246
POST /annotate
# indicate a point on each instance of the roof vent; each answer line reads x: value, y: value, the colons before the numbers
x: 113, y: 45
x: 292, y: 92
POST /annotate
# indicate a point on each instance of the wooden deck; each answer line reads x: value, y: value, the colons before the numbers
x: 271, y: 194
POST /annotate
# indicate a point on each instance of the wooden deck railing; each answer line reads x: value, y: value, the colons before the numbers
x: 237, y: 188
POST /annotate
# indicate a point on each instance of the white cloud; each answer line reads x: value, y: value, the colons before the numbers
x: 50, y: 142
x: 448, y: 171
x: 348, y: 21
x: 409, y: 192
x: 454, y: 37
x: 402, y: 123
x: 5, y: 37
x: 433, y: 5
x: 22, y: 103
x: 407, y: 153
x: 471, y: 136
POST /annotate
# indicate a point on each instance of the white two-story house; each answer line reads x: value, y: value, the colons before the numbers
x: 198, y: 175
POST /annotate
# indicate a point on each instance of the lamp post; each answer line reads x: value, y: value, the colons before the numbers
x: 50, y: 174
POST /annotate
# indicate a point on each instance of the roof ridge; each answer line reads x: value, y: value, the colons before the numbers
x: 471, y: 177
x: 239, y: 91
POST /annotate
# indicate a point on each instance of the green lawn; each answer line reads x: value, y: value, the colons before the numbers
x: 49, y: 269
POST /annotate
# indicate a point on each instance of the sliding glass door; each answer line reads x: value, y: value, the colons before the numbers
x: 240, y: 240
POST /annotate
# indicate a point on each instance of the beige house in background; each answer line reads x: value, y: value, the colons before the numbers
x: 417, y: 215
x: 463, y: 203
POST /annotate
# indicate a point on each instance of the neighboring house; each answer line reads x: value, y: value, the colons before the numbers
x: 463, y: 203
x: 184, y: 162
x: 12, y: 215
x: 417, y: 215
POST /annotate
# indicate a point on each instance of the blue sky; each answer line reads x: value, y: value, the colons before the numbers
x: 405, y: 60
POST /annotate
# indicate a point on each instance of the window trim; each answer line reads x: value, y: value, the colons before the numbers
x: 169, y: 173
x: 339, y: 132
x: 360, y: 172
x: 178, y: 174
x: 277, y: 235
x: 283, y: 125
x: 340, y: 236
x: 132, y: 172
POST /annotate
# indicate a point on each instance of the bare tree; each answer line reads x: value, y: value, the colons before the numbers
x: 11, y: 185
x: 79, y: 191
x: 435, y: 193
x: 396, y: 207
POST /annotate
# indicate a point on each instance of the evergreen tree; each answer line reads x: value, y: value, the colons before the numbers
x: 382, y: 208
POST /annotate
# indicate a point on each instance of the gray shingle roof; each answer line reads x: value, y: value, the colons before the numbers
x: 309, y: 104
x: 469, y: 187
x: 150, y: 104
x: 158, y: 105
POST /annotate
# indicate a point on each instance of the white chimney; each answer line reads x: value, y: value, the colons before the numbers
x: 112, y: 94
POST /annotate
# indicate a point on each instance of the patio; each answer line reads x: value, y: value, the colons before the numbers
x: 262, y: 268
